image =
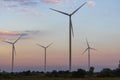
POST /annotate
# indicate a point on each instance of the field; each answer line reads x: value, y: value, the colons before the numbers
x: 39, y: 78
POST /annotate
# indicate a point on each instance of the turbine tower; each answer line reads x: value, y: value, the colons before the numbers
x: 45, y: 48
x: 70, y: 31
x: 13, y: 50
x: 88, y: 49
x: 119, y: 64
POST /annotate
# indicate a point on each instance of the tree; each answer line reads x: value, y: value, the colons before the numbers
x: 117, y: 72
x: 106, y: 72
x: 91, y: 71
x: 79, y: 73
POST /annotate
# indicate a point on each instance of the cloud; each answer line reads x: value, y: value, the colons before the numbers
x: 32, y: 11
x: 13, y: 34
x: 92, y: 3
x: 57, y: 1
x: 20, y: 2
x: 52, y: 1
x: 12, y: 5
x: 7, y: 32
x: 4, y: 34
x: 28, y: 2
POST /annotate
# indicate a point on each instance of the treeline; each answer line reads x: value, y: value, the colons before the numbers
x: 80, y: 73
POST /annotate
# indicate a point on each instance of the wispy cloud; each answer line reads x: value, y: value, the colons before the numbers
x: 92, y: 3
x: 52, y: 1
x: 32, y: 11
x: 13, y: 34
x: 20, y: 2
x: 57, y: 1
x: 21, y: 5
x: 2, y: 32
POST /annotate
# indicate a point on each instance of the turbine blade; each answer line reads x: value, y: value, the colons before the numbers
x: 60, y: 11
x: 49, y: 45
x: 78, y: 8
x: 40, y: 45
x: 18, y: 38
x: 87, y: 42
x: 85, y: 51
x: 71, y: 26
x: 7, y: 42
x: 14, y: 50
x: 93, y: 49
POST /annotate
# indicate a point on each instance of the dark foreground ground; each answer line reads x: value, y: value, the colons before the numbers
x: 39, y: 78
x: 80, y: 74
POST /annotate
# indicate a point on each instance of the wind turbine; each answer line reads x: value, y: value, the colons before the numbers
x: 13, y: 50
x: 119, y: 64
x: 45, y: 48
x: 88, y: 49
x: 70, y: 31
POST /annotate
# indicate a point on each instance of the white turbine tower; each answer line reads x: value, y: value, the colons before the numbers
x: 88, y: 49
x: 70, y: 31
x: 45, y: 49
x: 13, y: 50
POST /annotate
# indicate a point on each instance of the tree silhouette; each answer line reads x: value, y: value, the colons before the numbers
x: 91, y: 72
x: 79, y: 73
x: 106, y: 72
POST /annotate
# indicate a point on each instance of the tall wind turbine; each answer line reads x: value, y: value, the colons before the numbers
x: 13, y: 50
x: 45, y: 48
x: 70, y: 30
x: 88, y: 49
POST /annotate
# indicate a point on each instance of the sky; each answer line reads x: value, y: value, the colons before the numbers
x: 98, y: 21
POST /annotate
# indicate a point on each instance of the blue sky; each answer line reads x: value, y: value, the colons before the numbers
x: 99, y: 23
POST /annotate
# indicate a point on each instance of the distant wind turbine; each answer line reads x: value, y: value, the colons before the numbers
x: 13, y: 50
x: 119, y: 64
x: 70, y: 31
x: 45, y: 48
x: 88, y: 49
